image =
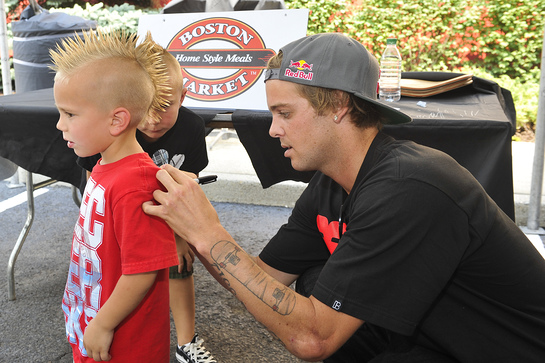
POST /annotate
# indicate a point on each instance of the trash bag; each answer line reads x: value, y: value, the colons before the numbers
x: 33, y: 36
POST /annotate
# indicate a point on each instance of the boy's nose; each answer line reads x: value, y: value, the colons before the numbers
x: 59, y: 124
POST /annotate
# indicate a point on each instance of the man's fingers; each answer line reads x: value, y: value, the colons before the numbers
x: 165, y: 178
x: 175, y: 175
x: 151, y: 209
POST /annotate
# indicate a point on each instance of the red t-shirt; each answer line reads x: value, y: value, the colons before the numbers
x: 113, y: 236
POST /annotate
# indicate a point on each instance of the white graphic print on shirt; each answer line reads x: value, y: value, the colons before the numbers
x: 83, y: 289
x: 160, y: 157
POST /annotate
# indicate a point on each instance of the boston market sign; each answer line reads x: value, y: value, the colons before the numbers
x: 240, y: 63
x: 223, y: 55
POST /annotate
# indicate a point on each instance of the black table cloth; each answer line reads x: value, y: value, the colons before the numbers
x: 29, y: 138
x: 473, y: 124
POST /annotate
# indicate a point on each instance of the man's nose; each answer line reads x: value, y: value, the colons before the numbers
x: 275, y: 130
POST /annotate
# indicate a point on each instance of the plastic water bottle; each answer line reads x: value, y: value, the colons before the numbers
x: 390, y: 72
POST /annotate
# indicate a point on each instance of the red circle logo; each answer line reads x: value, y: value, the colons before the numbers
x: 220, y: 58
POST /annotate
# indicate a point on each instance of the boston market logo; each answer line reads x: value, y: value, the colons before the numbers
x: 220, y: 58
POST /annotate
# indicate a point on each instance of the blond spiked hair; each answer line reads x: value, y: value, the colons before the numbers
x: 139, y: 79
x: 174, y: 70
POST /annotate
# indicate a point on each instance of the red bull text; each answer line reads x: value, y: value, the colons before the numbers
x: 298, y: 74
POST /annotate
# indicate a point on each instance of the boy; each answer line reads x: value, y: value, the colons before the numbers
x: 116, y: 295
x: 176, y: 138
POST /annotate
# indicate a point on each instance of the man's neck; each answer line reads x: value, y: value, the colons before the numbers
x: 350, y: 157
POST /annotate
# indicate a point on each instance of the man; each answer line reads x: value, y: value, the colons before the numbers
x: 402, y: 254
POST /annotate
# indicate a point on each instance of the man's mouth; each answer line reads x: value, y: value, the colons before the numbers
x: 287, y: 149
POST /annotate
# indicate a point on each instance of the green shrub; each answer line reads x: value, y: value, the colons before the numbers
x: 502, y: 37
x: 324, y: 16
x: 511, y: 43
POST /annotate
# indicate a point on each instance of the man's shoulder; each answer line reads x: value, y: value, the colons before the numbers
x: 410, y: 155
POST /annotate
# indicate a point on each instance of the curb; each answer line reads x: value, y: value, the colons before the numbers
x: 231, y: 188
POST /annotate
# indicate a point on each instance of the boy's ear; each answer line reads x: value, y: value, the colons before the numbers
x: 184, y: 92
x: 121, y: 118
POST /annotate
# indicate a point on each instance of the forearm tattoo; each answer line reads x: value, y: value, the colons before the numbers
x: 226, y: 259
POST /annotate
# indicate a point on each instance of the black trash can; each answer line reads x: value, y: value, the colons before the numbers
x: 33, y: 36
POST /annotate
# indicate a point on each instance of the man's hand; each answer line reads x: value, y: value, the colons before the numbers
x: 186, y: 209
x: 186, y: 256
x: 97, y: 341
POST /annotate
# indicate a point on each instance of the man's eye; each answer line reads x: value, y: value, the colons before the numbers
x: 284, y: 114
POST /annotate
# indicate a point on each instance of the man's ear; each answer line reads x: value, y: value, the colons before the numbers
x: 341, y: 112
x: 121, y: 119
x: 342, y: 106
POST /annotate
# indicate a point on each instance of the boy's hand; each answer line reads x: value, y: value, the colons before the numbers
x: 186, y: 256
x: 97, y: 341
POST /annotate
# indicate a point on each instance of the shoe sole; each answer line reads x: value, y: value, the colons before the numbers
x: 181, y: 359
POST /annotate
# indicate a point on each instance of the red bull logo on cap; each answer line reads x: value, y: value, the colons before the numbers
x: 301, y: 65
x: 303, y: 70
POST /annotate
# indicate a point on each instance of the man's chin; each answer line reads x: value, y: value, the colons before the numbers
x: 299, y: 167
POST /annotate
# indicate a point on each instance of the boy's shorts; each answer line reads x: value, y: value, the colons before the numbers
x: 174, y: 274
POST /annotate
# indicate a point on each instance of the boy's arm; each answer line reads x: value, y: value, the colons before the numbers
x: 128, y: 293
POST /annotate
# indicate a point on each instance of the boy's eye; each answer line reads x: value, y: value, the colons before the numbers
x: 168, y: 105
x: 284, y: 114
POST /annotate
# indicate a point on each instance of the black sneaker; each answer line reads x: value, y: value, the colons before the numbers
x: 194, y: 352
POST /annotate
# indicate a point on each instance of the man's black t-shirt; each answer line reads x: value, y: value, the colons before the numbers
x: 424, y: 252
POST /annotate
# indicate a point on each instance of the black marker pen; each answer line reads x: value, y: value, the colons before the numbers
x: 206, y: 179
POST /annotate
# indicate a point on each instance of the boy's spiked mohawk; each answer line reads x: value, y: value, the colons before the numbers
x: 73, y: 53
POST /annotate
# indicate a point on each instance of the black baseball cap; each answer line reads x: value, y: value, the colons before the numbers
x: 335, y: 61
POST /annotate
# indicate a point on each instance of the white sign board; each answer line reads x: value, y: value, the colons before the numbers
x: 223, y: 55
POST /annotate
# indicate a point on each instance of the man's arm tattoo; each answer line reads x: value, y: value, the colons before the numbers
x: 226, y: 259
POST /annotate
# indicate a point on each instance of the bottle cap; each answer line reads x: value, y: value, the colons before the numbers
x: 391, y: 41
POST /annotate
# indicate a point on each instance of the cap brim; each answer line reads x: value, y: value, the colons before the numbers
x: 390, y: 115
